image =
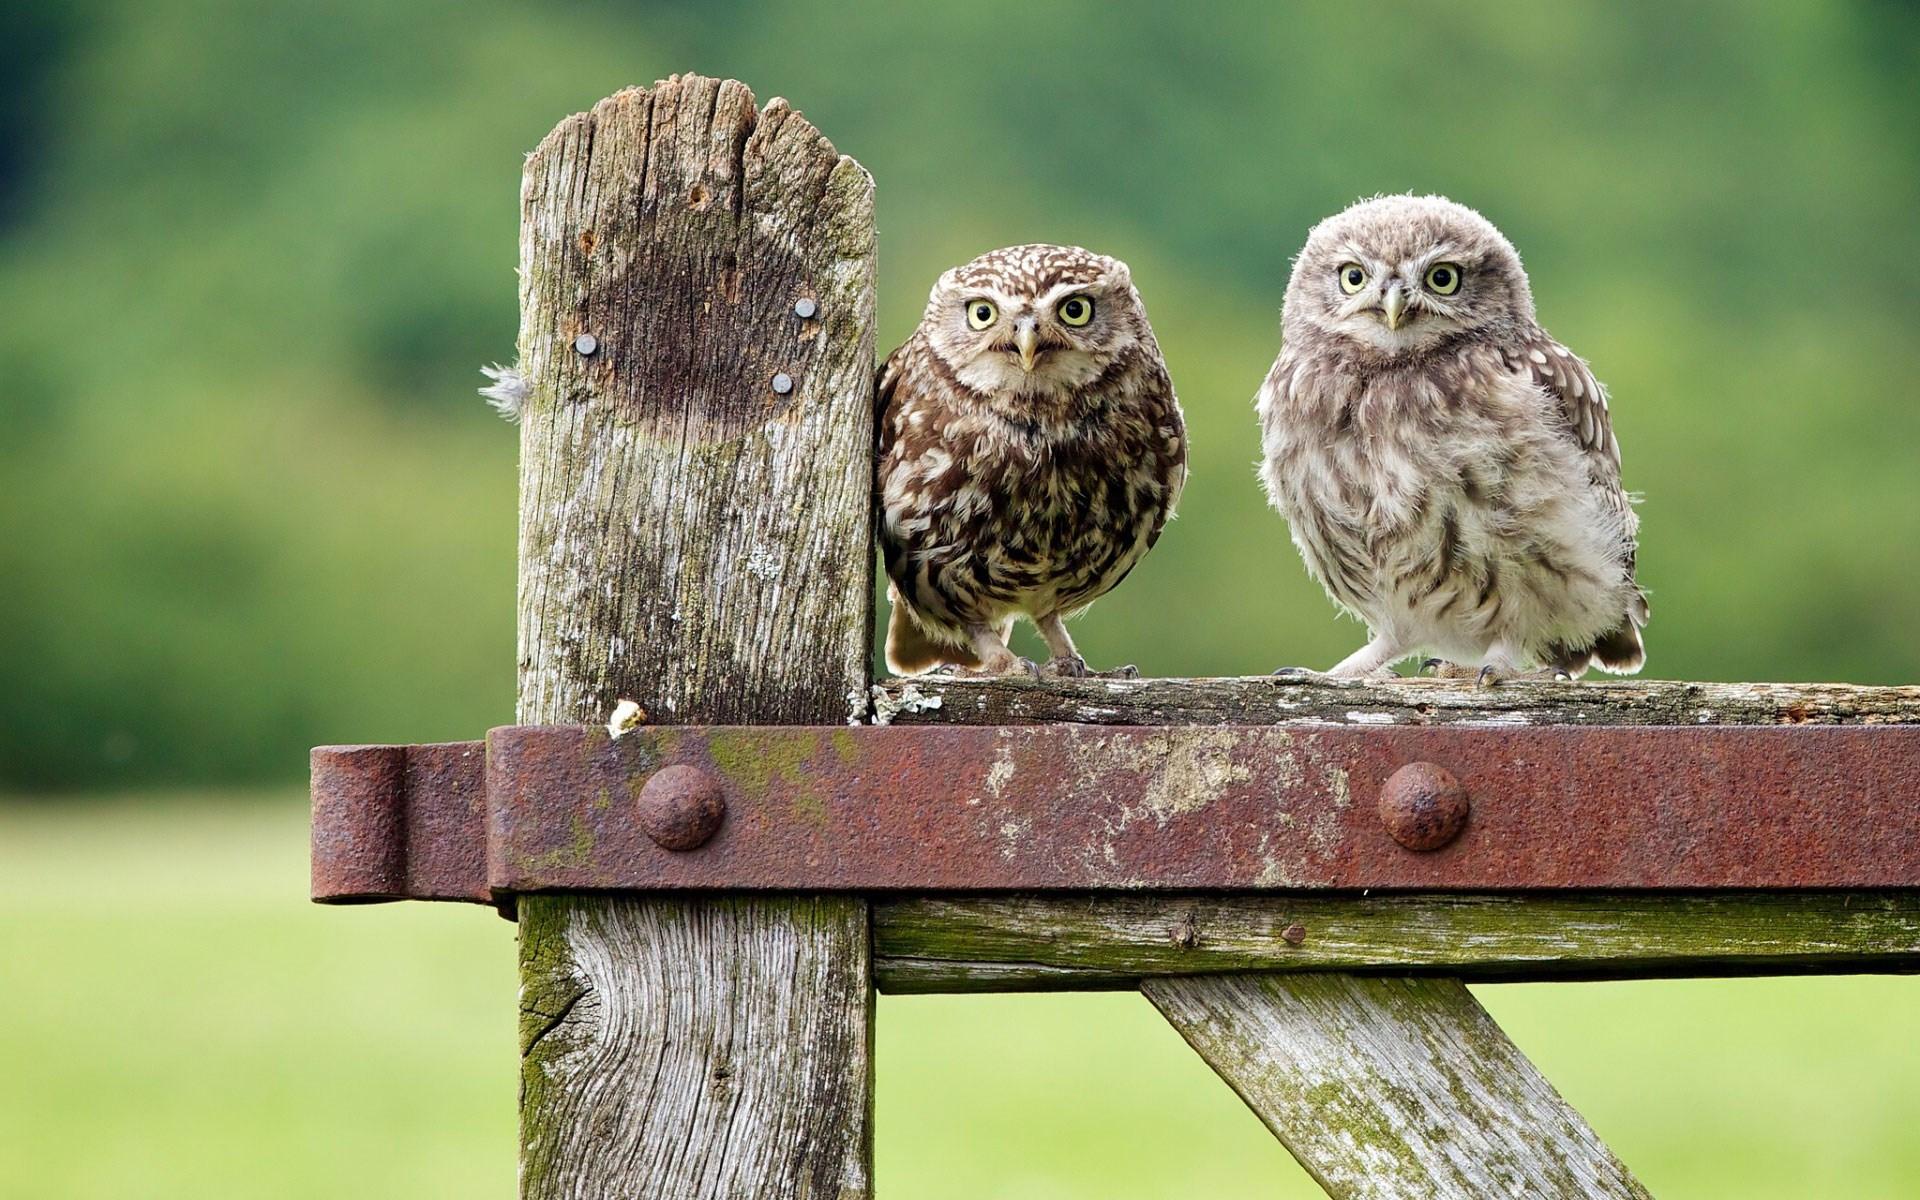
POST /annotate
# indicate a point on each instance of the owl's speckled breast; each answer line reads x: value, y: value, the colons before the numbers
x: 1439, y: 507
x: 983, y: 517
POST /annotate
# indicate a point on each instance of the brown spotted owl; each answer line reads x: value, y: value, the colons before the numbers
x: 1031, y: 451
x: 1448, y: 470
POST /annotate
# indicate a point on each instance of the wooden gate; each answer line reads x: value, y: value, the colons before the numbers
x: 1298, y: 876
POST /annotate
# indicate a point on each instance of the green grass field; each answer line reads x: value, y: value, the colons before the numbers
x: 177, y: 1021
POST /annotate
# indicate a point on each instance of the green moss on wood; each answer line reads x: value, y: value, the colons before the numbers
x: 1391, y: 1087
x: 1052, y: 942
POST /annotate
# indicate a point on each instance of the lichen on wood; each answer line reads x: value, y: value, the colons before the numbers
x: 1278, y: 700
x: 1392, y: 1088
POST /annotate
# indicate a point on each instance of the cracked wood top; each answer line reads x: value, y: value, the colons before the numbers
x: 1269, y: 700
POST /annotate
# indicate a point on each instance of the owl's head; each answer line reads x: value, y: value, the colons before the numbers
x: 1398, y: 275
x: 1034, y: 321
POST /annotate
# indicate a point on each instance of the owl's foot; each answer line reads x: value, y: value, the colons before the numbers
x: 1065, y: 666
x: 990, y: 658
x: 1302, y: 675
x: 1072, y: 666
x: 1309, y: 675
x: 1492, y: 676
x: 1066, y: 662
x: 1012, y: 665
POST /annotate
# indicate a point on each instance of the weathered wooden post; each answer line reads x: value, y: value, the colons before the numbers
x: 696, y: 457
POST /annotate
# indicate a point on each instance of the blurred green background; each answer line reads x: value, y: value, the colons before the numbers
x: 251, y: 255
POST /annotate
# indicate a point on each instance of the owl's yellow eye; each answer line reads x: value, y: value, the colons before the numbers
x: 1076, y: 310
x: 1353, y: 277
x: 1443, y: 279
x: 981, y: 313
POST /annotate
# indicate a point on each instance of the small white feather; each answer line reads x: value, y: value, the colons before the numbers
x: 508, y: 391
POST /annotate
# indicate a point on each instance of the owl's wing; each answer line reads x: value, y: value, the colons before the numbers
x: 886, y: 379
x: 1562, y: 374
x: 1565, y: 377
x: 887, y: 382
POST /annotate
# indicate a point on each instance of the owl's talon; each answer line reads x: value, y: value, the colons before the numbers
x: 1491, y: 676
x: 1302, y: 674
x: 1010, y: 667
x: 1127, y: 672
x: 1431, y: 667
x: 1013, y: 667
x: 1065, y: 666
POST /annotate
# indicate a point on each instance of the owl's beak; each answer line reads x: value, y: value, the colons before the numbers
x: 1394, y: 304
x: 1027, y: 337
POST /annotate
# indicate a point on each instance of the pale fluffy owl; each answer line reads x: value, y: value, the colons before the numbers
x: 1031, y: 451
x: 1447, y: 469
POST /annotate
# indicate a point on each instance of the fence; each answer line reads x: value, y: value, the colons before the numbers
x: 1298, y: 875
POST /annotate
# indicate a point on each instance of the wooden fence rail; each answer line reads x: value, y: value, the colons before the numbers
x: 697, y: 345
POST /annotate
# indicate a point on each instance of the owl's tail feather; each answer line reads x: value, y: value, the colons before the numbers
x: 1620, y: 650
x: 911, y: 652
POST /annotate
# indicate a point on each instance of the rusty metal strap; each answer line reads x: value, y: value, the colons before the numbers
x: 1063, y: 807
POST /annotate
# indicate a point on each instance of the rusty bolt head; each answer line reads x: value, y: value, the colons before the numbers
x: 1423, y: 806
x: 1294, y: 934
x: 681, y: 807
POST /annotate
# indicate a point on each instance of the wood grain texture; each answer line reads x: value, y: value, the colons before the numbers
x: 694, y: 540
x: 1269, y: 700
x: 1392, y: 1087
x: 712, y: 1048
x: 689, y: 538
x: 1042, y: 943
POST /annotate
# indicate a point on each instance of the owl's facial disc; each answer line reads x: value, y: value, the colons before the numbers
x: 1395, y: 306
x: 1029, y: 327
x: 1057, y: 335
x: 1033, y: 346
x: 1404, y: 275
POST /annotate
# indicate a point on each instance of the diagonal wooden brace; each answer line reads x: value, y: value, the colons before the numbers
x: 1392, y: 1088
